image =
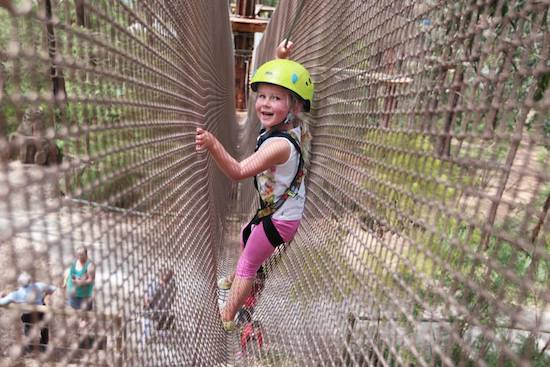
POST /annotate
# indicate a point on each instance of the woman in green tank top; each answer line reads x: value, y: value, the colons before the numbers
x: 80, y: 281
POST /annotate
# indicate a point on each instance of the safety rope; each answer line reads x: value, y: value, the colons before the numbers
x: 293, y: 24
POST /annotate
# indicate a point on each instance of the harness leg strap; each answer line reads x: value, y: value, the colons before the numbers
x: 271, y: 232
x: 248, y: 229
x: 272, y: 235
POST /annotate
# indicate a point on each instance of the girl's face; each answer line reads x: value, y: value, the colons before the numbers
x: 272, y: 104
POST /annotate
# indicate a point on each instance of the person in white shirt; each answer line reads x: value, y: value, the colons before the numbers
x: 32, y: 294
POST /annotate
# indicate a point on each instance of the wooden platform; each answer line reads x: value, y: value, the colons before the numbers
x: 248, y: 25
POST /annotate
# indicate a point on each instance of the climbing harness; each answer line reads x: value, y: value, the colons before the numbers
x: 266, y: 210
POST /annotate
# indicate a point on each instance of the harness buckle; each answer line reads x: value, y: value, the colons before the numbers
x: 264, y: 212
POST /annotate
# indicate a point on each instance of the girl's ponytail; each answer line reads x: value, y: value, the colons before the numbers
x: 303, y: 120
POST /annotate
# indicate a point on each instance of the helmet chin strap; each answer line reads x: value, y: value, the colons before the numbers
x: 288, y: 119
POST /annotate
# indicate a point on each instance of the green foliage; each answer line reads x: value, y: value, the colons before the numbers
x: 104, y: 176
x: 403, y: 171
x: 494, y: 357
x: 458, y: 248
x: 21, y: 75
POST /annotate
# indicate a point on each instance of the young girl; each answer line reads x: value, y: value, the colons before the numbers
x: 284, y: 93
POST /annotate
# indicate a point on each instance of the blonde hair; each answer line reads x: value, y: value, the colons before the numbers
x: 303, y: 120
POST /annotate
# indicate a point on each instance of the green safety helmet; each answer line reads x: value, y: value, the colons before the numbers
x: 287, y: 74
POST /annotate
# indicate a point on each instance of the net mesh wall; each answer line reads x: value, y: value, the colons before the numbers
x: 425, y: 239
x: 119, y: 88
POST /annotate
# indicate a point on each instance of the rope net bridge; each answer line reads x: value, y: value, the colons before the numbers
x: 425, y: 240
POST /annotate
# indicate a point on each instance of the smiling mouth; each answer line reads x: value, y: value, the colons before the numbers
x: 267, y: 114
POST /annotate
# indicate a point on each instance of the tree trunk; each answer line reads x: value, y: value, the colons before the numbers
x: 535, y: 257
x: 6, y: 4
x: 542, y: 217
x: 516, y: 140
x: 3, y: 124
x: 496, y: 102
x: 5, y: 151
x: 58, y: 83
x: 81, y: 18
x: 444, y: 146
x: 502, y: 184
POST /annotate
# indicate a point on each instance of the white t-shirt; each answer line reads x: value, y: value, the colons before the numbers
x: 275, y: 181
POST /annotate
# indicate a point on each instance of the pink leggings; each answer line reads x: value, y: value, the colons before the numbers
x: 258, y: 248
